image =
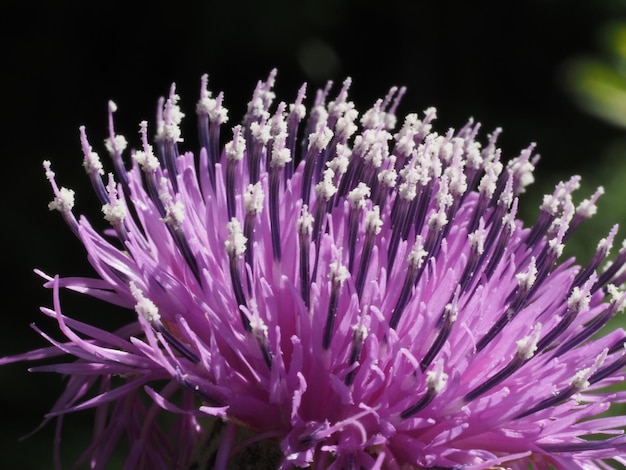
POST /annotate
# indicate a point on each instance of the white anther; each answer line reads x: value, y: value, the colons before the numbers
x: 527, y: 346
x: 526, y: 280
x: 325, y: 189
x: 618, y: 297
x: 373, y: 222
x: 260, y: 132
x: 438, y: 220
x: 236, y: 242
x: 147, y: 161
x: 92, y: 163
x: 436, y: 379
x: 253, y: 198
x: 388, y: 176
x: 320, y: 139
x: 144, y: 306
x: 235, y: 148
x: 477, y: 238
x: 588, y: 207
x: 118, y: 144
x: 338, y: 273
x: 417, y: 254
x: 358, y: 196
x: 305, y: 221
x: 578, y: 300
x: 63, y: 201
x: 280, y: 154
x: 114, y: 214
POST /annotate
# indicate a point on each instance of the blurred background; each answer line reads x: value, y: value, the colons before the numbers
x: 546, y: 71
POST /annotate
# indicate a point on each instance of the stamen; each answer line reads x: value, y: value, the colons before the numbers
x: 477, y: 246
x: 260, y: 133
x: 173, y: 216
x: 506, y: 232
x: 149, y: 164
x: 297, y: 111
x: 260, y: 331
x: 234, y: 150
x: 280, y: 157
x: 144, y: 306
x: 305, y: 227
x: 211, y: 115
x: 357, y: 198
x: 339, y: 107
x: 525, y: 282
x: 613, y: 368
x: 449, y: 316
x: 317, y: 143
x: 618, y: 303
x: 399, y: 215
x: 390, y: 121
x: 115, y: 212
x: 522, y: 168
x: 585, y: 210
x: 115, y: 145
x: 552, y: 205
x: 325, y: 190
x: 63, y: 199
x: 416, y: 262
x: 386, y: 179
x: 358, y: 340
x: 436, y: 381
x: 405, y: 138
x: 169, y: 134
x: 486, y: 189
x: 373, y: 226
x: 235, y: 248
x: 93, y: 167
x: 337, y: 275
x: 579, y: 382
x: 577, y: 302
x: 253, y: 199
x: 610, y: 274
x: 526, y: 348
x: 603, y: 249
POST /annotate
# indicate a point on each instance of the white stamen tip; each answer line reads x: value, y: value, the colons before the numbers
x: 373, y: 222
x: 325, y: 189
x: 578, y: 300
x: 359, y: 195
x: 254, y: 197
x: 338, y: 273
x: 118, y: 144
x: 526, y: 280
x: 436, y: 379
x: 114, y: 213
x: 235, y: 148
x: 527, y: 346
x: 144, y: 306
x: 92, y: 163
x: 417, y: 254
x: 64, y: 200
x: 236, y: 242
x: 305, y: 221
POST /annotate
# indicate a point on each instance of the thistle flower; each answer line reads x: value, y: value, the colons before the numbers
x: 341, y: 293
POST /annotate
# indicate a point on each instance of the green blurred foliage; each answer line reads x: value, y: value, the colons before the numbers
x: 597, y: 84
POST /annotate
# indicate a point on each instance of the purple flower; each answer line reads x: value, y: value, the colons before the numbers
x: 319, y: 292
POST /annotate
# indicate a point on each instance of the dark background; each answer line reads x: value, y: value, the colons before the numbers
x: 500, y: 62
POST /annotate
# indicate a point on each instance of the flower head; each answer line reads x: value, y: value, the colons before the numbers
x: 359, y: 295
